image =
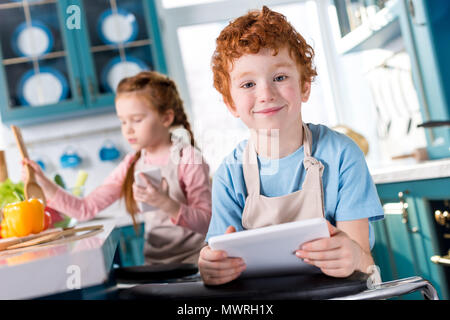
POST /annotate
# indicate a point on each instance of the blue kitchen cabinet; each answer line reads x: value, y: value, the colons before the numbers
x: 406, y: 239
x: 63, y: 58
x: 38, y: 72
x: 365, y: 25
x: 109, y: 56
x: 131, y: 246
x: 424, y: 27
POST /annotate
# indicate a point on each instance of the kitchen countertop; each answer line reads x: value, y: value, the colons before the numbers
x: 47, y: 270
x: 121, y: 219
x: 400, y: 172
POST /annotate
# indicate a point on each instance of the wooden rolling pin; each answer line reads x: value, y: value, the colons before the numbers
x: 419, y: 154
x: 3, y: 167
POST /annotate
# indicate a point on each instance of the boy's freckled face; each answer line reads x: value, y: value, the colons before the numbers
x: 266, y: 90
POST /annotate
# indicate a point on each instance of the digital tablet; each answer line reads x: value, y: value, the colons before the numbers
x: 271, y: 250
x: 154, y: 174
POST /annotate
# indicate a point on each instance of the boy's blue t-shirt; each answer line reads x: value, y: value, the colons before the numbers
x: 349, y: 191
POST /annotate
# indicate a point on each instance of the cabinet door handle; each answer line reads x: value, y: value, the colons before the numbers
x: 404, y: 207
x: 443, y: 218
x: 79, y: 89
x: 445, y: 260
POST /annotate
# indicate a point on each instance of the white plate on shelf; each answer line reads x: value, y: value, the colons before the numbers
x: 117, y: 26
x: 48, y: 86
x: 32, y: 40
x: 118, y: 68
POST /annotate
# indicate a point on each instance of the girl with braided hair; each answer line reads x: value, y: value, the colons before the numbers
x: 149, y: 107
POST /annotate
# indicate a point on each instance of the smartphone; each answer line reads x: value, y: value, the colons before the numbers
x: 154, y: 175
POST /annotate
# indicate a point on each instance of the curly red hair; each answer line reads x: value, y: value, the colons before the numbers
x: 249, y: 34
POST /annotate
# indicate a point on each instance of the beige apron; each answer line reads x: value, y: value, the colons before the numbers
x: 307, y: 203
x: 166, y: 242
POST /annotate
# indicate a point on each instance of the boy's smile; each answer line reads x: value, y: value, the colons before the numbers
x: 266, y: 90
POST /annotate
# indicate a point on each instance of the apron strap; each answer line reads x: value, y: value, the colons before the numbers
x: 250, y: 169
x: 314, y: 168
x: 307, y: 140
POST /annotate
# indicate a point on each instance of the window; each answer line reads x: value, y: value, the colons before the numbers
x: 216, y: 131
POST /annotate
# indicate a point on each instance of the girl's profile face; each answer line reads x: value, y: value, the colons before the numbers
x: 142, y: 126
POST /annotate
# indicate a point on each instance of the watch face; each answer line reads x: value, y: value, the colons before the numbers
x: 48, y: 86
x: 119, y: 68
x: 117, y: 26
x: 32, y: 39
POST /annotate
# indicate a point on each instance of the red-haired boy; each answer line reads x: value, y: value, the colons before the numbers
x: 264, y: 68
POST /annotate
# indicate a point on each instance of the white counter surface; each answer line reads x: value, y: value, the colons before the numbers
x: 53, y: 269
x: 432, y: 169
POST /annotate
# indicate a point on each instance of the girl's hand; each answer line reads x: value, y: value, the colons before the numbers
x: 156, y: 197
x: 38, y: 173
x: 47, y: 185
x: 337, y: 256
x: 216, y: 267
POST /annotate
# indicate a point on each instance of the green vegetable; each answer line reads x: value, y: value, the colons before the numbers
x: 9, y: 191
x: 59, y: 181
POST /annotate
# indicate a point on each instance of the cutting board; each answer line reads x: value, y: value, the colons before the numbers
x: 48, y: 237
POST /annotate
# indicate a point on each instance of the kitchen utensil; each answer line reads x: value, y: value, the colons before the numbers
x: 434, y: 124
x: 31, y: 187
x: 51, y: 237
x: 419, y: 154
x: 70, y: 158
x: 108, y: 152
x: 383, y: 122
x: 403, y: 99
x: 8, y: 242
x: 3, y: 167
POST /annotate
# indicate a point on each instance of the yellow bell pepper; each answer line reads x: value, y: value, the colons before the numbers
x: 22, y: 218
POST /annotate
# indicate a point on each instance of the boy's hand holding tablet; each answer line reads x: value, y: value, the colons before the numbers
x: 264, y: 251
x: 216, y: 267
x: 269, y: 252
